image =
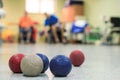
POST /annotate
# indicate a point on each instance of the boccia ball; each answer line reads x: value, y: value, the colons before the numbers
x: 77, y: 57
x: 60, y: 66
x: 14, y: 63
x: 45, y: 61
x: 31, y: 65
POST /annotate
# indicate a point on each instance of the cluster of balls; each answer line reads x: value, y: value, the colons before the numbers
x: 34, y: 65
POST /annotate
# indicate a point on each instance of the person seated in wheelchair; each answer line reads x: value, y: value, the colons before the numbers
x: 25, y: 28
x: 53, y: 22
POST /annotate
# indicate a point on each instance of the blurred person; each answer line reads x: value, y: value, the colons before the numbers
x: 53, y: 22
x: 25, y: 25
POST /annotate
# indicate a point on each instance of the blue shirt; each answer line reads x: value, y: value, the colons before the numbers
x: 51, y: 20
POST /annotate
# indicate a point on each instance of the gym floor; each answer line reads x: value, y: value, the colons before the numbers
x: 101, y: 63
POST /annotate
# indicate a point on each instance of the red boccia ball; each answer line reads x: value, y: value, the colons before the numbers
x: 14, y: 63
x: 77, y: 57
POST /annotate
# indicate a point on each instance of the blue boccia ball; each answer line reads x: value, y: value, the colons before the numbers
x: 45, y: 61
x: 60, y: 66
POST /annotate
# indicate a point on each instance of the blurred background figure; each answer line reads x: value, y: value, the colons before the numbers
x: 2, y: 15
x: 25, y: 31
x: 55, y: 28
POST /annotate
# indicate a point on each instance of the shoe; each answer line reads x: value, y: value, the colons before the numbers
x: 64, y: 41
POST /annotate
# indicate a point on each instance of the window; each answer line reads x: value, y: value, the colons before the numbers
x: 47, y: 6
x: 39, y: 6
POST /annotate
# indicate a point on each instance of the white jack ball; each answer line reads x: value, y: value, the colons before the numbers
x: 31, y: 65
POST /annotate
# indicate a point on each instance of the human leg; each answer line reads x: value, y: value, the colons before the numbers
x: 28, y: 35
x: 54, y: 31
x: 62, y: 32
x: 21, y: 31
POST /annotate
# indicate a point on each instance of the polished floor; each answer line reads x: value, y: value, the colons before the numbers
x: 101, y: 63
